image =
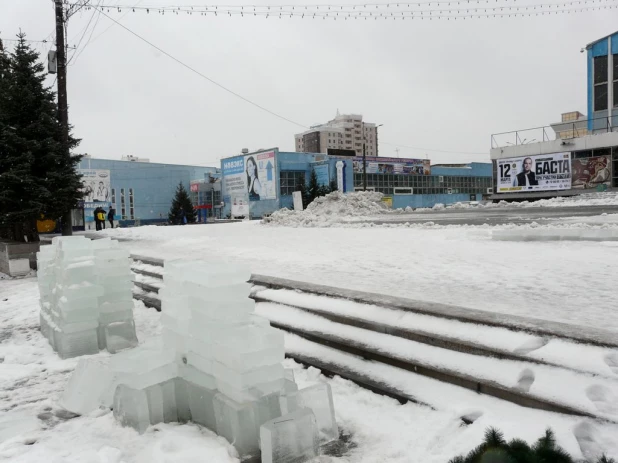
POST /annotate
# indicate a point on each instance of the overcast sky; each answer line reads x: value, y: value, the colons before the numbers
x: 435, y: 85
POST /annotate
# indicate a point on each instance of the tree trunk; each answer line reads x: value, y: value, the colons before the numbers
x: 25, y: 232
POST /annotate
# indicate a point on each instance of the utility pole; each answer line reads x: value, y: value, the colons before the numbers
x: 364, y: 166
x: 63, y: 107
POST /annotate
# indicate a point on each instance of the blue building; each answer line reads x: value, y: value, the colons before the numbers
x: 257, y: 184
x: 140, y: 192
x: 603, y: 83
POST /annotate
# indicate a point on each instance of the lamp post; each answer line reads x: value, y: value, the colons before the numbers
x: 365, y: 157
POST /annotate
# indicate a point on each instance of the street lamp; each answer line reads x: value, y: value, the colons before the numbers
x: 365, y: 157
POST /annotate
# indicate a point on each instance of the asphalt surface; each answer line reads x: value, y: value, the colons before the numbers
x: 496, y: 216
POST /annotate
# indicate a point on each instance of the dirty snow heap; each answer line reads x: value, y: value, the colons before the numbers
x: 331, y: 209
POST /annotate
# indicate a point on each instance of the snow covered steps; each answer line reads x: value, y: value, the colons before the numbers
x: 526, y: 364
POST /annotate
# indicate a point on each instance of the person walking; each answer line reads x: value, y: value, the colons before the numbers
x: 110, y: 216
x: 96, y: 219
x: 101, y: 217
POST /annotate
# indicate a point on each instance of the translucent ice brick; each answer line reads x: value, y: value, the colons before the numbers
x: 246, y: 379
x: 239, y: 422
x: 131, y: 408
x: 162, y: 402
x: 291, y: 438
x: 183, y: 409
x: 77, y: 343
x: 120, y: 335
x: 88, y: 384
x: 201, y: 406
x: 319, y: 399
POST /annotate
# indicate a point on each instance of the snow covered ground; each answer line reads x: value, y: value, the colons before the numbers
x: 564, y: 281
x: 34, y: 429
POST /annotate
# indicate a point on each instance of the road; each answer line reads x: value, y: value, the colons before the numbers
x: 496, y: 216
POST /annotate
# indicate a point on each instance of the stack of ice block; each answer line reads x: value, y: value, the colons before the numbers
x: 75, y: 288
x: 218, y: 364
x: 113, y: 273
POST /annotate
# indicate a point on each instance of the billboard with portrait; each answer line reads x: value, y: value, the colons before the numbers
x: 96, y: 185
x: 250, y: 176
x: 543, y: 172
x: 397, y: 166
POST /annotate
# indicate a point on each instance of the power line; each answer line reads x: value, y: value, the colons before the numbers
x: 202, y: 75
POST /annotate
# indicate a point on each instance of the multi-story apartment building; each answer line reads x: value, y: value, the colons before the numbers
x: 344, y: 132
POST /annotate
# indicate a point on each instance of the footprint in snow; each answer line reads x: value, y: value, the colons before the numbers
x: 525, y: 380
x: 612, y: 361
x: 529, y: 346
x: 603, y: 399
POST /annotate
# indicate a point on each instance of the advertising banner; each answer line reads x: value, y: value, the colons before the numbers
x: 321, y: 171
x: 251, y: 176
x: 96, y: 185
x: 591, y: 172
x: 398, y: 166
x: 543, y: 172
x: 240, y: 208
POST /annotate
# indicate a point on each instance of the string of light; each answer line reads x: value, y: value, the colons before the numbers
x: 463, y: 9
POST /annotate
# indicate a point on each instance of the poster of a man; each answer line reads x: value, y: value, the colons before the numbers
x: 526, y: 177
x: 102, y: 193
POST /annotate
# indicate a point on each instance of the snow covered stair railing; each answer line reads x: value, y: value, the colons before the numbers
x: 218, y: 364
x: 86, y: 296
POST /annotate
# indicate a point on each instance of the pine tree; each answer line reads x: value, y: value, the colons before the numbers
x: 313, y: 189
x: 181, y: 204
x: 333, y: 184
x: 37, y: 173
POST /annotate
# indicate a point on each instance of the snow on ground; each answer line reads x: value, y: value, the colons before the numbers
x: 571, y: 282
x: 34, y: 429
x: 583, y: 200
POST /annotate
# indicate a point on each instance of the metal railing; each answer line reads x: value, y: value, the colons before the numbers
x: 560, y: 130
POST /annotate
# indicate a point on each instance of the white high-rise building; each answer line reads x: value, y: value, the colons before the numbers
x: 344, y: 132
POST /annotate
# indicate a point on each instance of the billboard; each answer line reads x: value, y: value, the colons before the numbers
x: 543, y: 172
x: 322, y: 172
x: 591, y: 172
x: 397, y: 166
x: 96, y: 185
x: 251, y: 176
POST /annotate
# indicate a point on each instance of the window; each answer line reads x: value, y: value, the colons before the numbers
x: 114, y: 198
x: 600, y: 83
x: 131, y: 210
x: 289, y: 181
x: 615, y: 80
x: 123, y: 211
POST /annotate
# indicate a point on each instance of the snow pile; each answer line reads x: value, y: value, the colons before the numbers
x: 332, y: 208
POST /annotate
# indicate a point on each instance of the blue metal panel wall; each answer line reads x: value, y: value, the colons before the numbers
x: 474, y: 169
x: 415, y: 201
x: 153, y: 184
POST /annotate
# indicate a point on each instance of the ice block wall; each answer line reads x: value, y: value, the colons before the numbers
x: 217, y: 364
x: 85, y: 295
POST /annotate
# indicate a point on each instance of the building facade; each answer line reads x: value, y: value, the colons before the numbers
x: 344, y: 132
x: 578, y: 154
x: 140, y: 192
x: 603, y: 83
x: 257, y: 184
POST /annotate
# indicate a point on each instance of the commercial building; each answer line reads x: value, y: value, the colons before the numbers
x: 576, y: 155
x: 344, y: 132
x: 141, y: 192
x: 257, y: 184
